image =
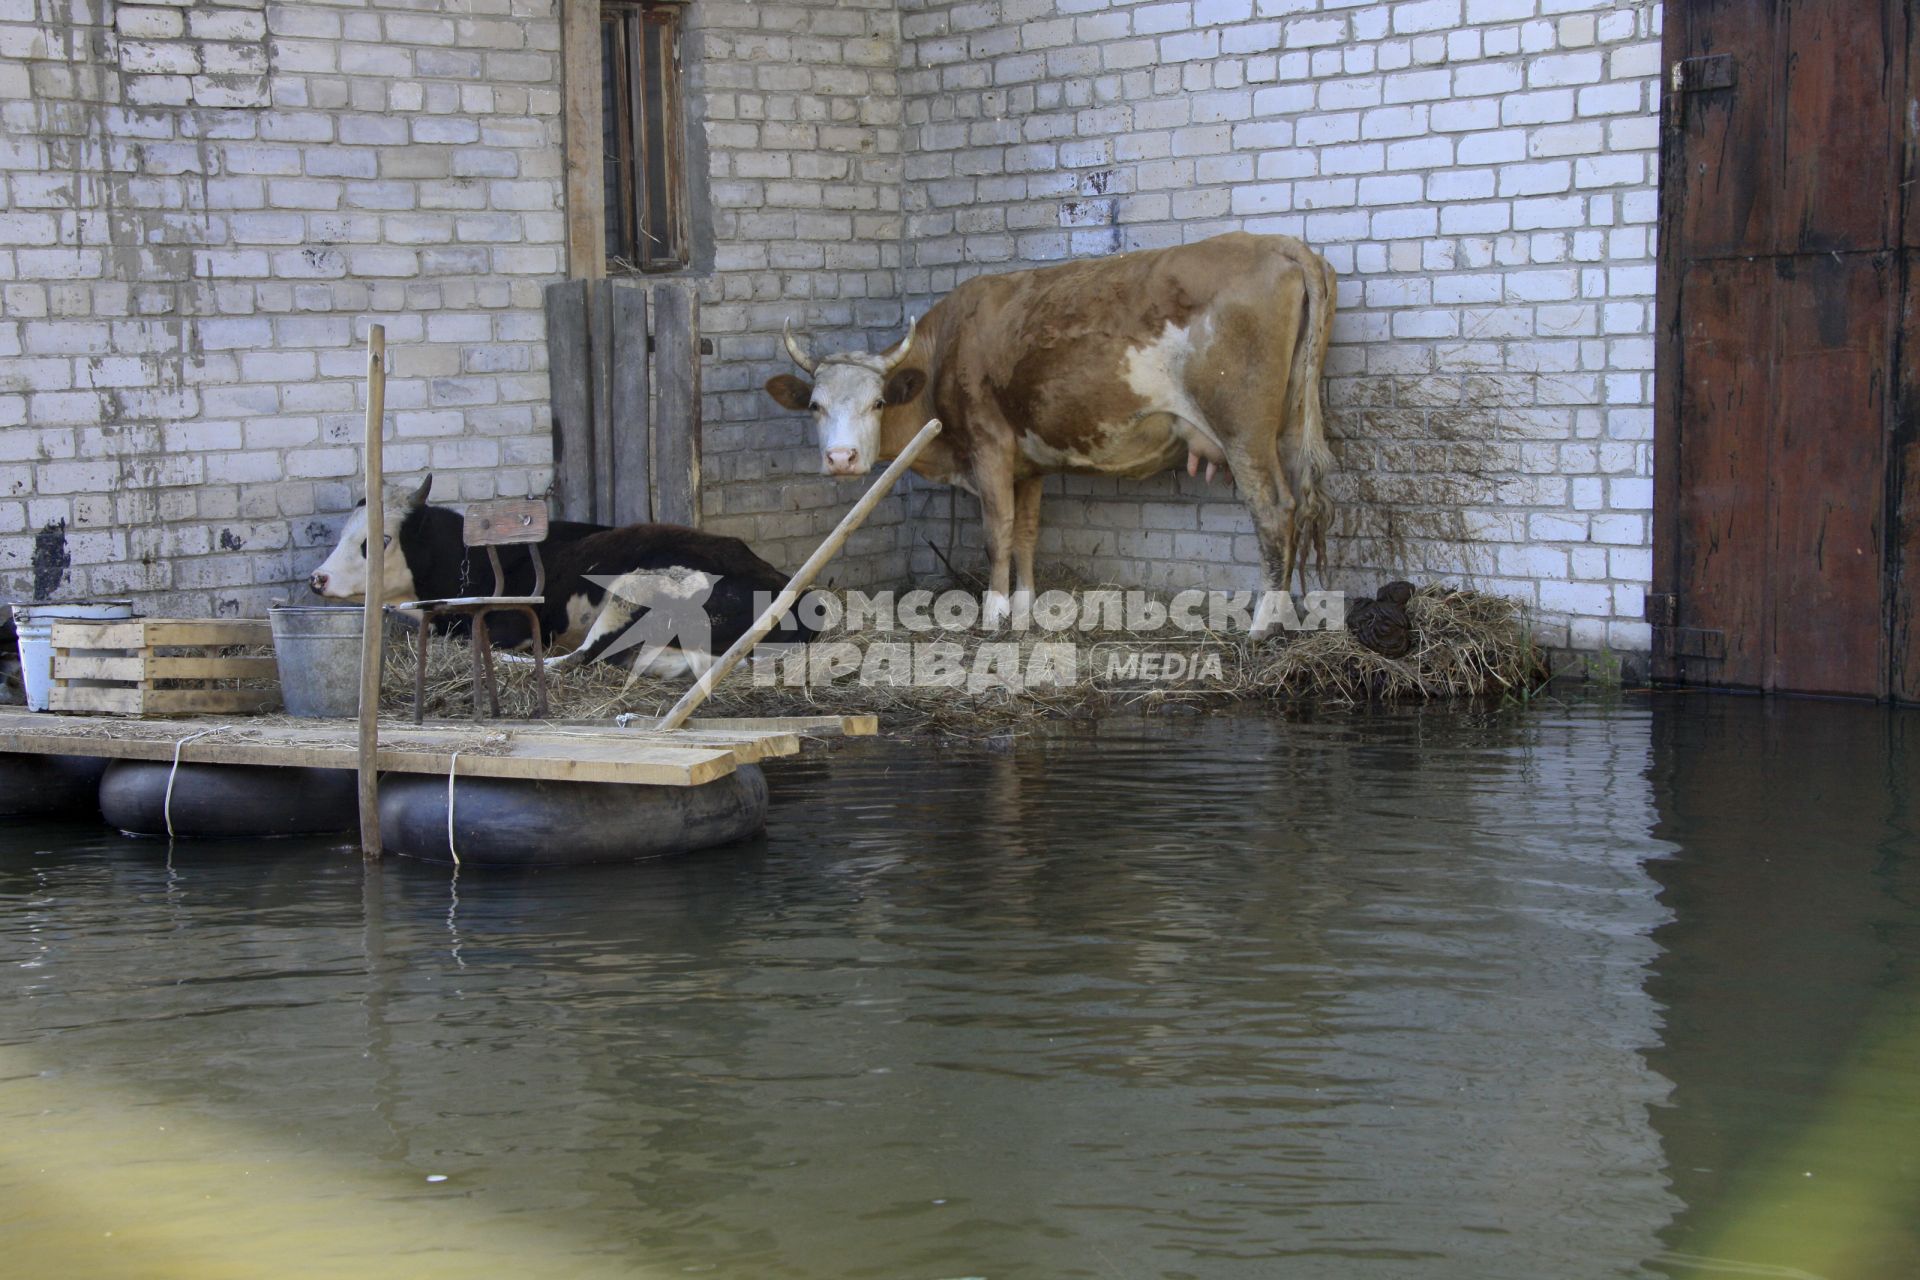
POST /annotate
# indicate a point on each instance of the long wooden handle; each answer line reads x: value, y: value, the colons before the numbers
x: 693, y: 697
x: 372, y: 625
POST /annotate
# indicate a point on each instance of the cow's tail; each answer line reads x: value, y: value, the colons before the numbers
x: 1309, y: 458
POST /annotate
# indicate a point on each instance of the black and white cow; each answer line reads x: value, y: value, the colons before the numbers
x: 660, y: 599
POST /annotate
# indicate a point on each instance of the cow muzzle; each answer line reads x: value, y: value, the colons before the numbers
x: 844, y: 462
x: 318, y: 582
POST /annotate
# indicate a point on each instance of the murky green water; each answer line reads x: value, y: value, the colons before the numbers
x: 1590, y: 990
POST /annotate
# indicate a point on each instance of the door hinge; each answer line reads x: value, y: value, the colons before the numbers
x: 1695, y: 75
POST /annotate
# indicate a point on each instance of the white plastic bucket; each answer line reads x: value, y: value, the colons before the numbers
x: 34, y: 623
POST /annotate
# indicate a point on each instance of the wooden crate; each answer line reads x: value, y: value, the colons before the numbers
x: 116, y: 667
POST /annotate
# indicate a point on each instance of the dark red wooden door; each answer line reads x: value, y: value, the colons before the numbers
x: 1784, y: 519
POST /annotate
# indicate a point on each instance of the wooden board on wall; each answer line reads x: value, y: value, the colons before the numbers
x: 567, y: 369
x: 631, y: 421
x: 1903, y: 493
x: 624, y: 359
x: 1828, y: 500
x: 676, y: 433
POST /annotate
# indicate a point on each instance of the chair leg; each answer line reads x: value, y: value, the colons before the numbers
x: 420, y: 669
x: 539, y: 665
x: 483, y: 650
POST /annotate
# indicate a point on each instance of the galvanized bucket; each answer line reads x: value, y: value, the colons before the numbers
x: 34, y: 623
x: 317, y: 648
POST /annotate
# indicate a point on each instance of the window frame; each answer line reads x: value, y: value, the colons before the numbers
x: 622, y: 29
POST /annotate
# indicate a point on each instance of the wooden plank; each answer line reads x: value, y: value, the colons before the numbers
x: 366, y: 755
x: 164, y: 667
x: 68, y: 666
x: 505, y: 521
x: 848, y: 726
x: 1722, y: 171
x: 403, y: 749
x: 631, y: 475
x: 134, y: 701
x: 676, y: 420
x: 600, y: 371
x: 1840, y: 133
x: 1668, y: 344
x: 748, y: 746
x: 153, y: 633
x: 678, y: 714
x: 1720, y: 471
x: 1827, y: 548
x: 206, y: 631
x: 580, y: 107
x: 570, y: 394
x: 98, y: 635
x: 147, y: 666
x: 1903, y: 463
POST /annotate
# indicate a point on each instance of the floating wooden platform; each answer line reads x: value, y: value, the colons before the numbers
x: 543, y: 750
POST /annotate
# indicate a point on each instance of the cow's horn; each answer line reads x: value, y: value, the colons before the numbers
x: 906, y: 345
x: 793, y: 348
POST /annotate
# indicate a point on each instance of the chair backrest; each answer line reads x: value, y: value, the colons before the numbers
x: 503, y: 522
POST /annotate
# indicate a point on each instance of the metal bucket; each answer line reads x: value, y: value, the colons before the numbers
x: 317, y: 648
x: 34, y: 623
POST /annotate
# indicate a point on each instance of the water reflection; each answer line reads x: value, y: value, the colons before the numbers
x: 1789, y: 982
x: 1388, y: 995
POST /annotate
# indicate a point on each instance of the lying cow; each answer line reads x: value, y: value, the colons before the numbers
x: 1112, y: 366
x: 659, y: 598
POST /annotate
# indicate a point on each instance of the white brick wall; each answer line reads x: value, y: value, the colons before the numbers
x: 202, y: 205
x: 1483, y: 176
x: 801, y: 104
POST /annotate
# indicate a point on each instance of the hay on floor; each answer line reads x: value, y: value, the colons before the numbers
x: 1468, y: 644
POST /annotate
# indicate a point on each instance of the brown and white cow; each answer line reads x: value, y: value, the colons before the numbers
x: 1110, y: 366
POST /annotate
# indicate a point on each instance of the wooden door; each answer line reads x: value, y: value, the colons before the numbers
x: 623, y: 363
x: 1784, y: 522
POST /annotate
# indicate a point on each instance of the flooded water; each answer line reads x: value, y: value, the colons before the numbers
x: 1590, y: 989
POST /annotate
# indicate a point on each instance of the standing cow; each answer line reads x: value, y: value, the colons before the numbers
x: 1111, y: 366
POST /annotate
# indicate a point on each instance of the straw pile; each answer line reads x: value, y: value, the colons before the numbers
x: 1467, y: 644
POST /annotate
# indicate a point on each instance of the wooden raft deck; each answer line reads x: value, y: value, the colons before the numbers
x: 549, y: 750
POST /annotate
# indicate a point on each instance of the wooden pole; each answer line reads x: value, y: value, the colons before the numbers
x: 693, y: 697
x: 373, y: 624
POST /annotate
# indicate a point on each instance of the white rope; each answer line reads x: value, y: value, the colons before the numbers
x: 451, y: 766
x: 166, y: 806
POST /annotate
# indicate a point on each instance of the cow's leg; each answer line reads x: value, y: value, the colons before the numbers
x: 609, y: 624
x: 1255, y: 465
x: 997, y: 508
x: 1026, y: 532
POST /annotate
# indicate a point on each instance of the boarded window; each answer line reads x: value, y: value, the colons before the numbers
x: 642, y: 136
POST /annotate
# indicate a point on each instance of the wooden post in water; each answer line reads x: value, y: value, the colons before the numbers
x: 693, y: 697
x: 372, y: 626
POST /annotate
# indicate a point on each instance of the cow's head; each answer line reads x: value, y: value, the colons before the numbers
x: 343, y: 574
x: 848, y: 394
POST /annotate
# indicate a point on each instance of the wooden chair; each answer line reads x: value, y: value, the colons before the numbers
x: 491, y: 525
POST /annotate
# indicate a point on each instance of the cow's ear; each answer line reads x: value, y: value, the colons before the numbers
x: 418, y: 498
x: 790, y: 392
x: 905, y: 386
